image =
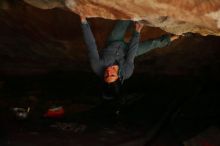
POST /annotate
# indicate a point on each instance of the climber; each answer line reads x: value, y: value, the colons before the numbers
x: 116, y: 62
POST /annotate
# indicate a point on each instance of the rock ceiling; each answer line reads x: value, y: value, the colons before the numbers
x: 198, y: 16
x: 37, y: 36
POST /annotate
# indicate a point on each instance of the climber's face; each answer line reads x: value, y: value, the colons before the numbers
x: 111, y: 74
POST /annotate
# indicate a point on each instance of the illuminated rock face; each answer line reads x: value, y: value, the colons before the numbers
x: 173, y: 16
x: 34, y: 40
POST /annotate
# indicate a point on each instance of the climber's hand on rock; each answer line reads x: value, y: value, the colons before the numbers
x: 138, y: 26
x: 174, y: 37
x: 83, y: 19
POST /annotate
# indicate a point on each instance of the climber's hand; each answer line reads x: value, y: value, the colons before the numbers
x: 83, y: 19
x: 138, y: 26
x: 174, y: 37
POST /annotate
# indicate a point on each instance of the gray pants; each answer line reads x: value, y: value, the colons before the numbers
x: 120, y: 29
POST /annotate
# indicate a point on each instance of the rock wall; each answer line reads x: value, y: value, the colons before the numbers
x: 173, y: 16
x: 34, y: 40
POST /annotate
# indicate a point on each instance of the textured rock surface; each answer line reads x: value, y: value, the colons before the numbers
x: 34, y: 40
x: 173, y: 16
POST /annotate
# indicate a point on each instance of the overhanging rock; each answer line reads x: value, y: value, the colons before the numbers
x: 173, y: 16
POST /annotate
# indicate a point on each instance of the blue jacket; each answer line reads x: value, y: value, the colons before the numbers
x: 118, y: 51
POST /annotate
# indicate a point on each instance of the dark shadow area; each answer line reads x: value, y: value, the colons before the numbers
x: 179, y: 107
